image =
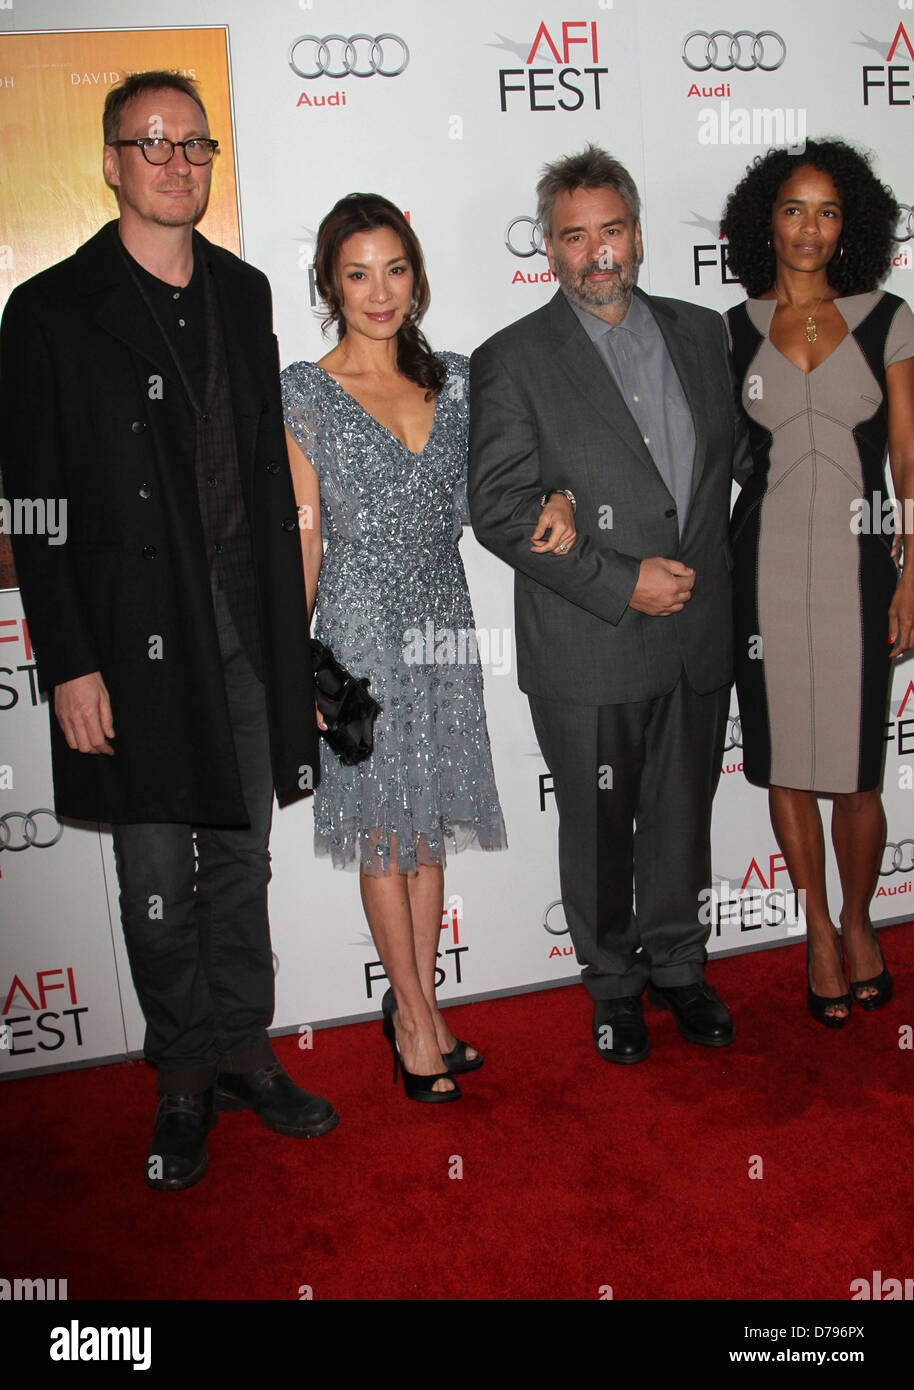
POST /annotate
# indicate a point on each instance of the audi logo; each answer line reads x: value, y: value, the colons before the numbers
x: 764, y: 56
x: 901, y: 856
x: 904, y: 229
x: 555, y: 931
x: 734, y: 733
x: 531, y: 241
x: 358, y: 56
x: 20, y: 830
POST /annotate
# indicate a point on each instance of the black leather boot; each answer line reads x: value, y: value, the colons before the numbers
x: 177, y: 1155
x: 276, y: 1101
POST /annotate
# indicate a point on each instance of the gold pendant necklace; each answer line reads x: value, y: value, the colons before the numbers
x: 812, y: 331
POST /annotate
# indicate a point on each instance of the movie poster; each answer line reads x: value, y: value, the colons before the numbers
x: 53, y: 196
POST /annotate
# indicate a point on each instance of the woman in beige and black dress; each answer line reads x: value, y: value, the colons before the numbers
x: 825, y: 360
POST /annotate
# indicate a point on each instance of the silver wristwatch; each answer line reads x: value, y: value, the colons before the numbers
x: 565, y: 493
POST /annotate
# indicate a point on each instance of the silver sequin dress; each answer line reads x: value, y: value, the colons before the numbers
x: 393, y: 605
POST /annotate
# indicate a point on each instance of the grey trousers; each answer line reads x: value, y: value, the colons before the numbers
x: 634, y: 785
x: 201, y: 962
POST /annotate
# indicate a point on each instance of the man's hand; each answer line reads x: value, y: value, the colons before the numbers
x: 557, y: 521
x: 664, y: 587
x: 84, y: 713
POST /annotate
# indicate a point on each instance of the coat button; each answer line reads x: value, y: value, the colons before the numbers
x: 289, y: 524
x: 273, y: 467
x: 218, y: 548
x: 138, y: 426
x: 149, y: 552
x: 144, y: 491
x: 211, y: 482
x: 671, y: 511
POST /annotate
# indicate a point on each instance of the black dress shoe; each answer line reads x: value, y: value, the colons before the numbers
x: 700, y: 1016
x: 276, y: 1100
x: 177, y: 1155
x: 619, y: 1029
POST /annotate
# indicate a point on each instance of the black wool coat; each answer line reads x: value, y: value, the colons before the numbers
x: 84, y: 418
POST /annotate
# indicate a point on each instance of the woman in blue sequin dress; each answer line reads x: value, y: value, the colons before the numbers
x: 377, y: 435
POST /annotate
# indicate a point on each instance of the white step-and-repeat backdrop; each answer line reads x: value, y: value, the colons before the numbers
x: 449, y: 110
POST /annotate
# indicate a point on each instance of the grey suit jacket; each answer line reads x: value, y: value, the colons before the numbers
x: 545, y: 413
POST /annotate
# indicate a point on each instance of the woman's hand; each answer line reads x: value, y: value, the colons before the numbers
x: 556, y: 518
x: 899, y: 378
x: 320, y: 717
x: 901, y: 618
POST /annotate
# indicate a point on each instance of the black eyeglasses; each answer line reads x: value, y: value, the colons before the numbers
x: 157, y: 150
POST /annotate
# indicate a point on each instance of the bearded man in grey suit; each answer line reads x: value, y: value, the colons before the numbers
x: 625, y: 403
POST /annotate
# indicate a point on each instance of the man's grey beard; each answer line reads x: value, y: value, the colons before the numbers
x: 618, y: 291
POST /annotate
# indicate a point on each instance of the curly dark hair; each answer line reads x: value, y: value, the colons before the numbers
x: 869, y: 214
x: 366, y: 212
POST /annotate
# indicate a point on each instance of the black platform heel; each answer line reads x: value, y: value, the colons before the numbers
x: 457, y: 1060
x: 881, y: 983
x: 818, y: 1003
x: 416, y: 1087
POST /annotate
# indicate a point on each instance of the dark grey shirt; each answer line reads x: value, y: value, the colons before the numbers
x: 637, y: 357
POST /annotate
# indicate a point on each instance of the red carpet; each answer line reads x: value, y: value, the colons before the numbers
x: 576, y: 1173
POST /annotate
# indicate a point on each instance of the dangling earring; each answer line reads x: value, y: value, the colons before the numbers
x: 840, y: 255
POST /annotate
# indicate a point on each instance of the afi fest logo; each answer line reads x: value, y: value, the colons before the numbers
x: 889, y: 82
x: 757, y: 899
x: 338, y: 57
x: 710, y: 255
x: 449, y: 966
x: 561, y: 69
x: 899, y: 730
x: 17, y: 662
x: 26, y: 1021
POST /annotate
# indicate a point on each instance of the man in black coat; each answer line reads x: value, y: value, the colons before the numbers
x: 139, y: 382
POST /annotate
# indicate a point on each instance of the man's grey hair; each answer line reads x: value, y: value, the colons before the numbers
x: 592, y: 168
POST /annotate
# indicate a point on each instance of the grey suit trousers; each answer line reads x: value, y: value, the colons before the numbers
x: 634, y: 785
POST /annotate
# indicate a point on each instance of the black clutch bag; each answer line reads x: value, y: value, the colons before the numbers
x: 346, y: 706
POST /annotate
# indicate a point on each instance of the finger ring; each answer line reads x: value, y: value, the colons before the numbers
x: 563, y: 547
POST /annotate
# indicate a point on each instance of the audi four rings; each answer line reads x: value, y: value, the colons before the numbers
x: 765, y: 50
x: 734, y: 733
x: 385, y: 54
x: 535, y: 245
x: 902, y: 856
x: 554, y: 931
x: 905, y: 228
x: 28, y: 831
